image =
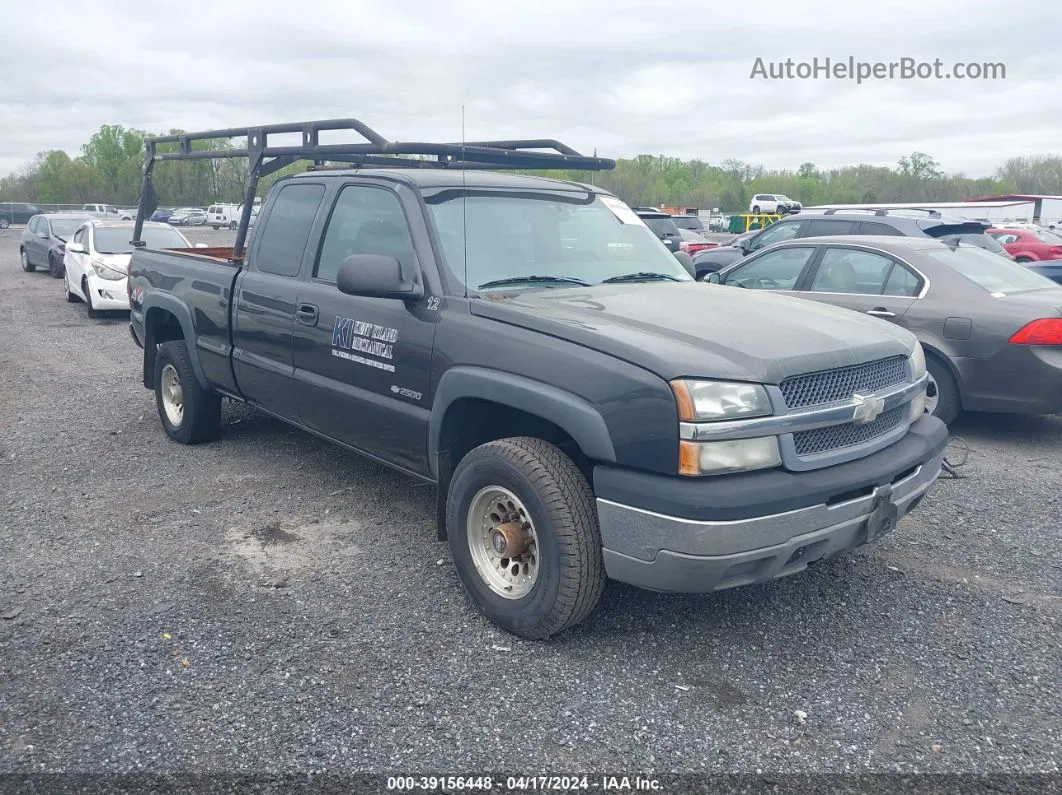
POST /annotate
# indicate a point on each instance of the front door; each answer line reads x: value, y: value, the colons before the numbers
x: 36, y: 250
x: 363, y: 365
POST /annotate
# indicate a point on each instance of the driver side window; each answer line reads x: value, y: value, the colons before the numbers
x: 775, y: 233
x: 776, y: 270
x: 366, y: 220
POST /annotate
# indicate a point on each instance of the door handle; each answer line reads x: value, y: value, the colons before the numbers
x: 880, y: 311
x: 307, y: 314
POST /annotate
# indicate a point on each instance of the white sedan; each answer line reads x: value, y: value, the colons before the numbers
x: 97, y: 261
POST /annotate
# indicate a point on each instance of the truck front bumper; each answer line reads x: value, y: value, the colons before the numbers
x: 695, y: 536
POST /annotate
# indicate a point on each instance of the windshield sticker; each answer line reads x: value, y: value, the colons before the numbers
x: 353, y: 337
x: 621, y: 210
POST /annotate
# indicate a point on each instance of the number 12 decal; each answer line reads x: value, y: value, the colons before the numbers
x: 433, y: 303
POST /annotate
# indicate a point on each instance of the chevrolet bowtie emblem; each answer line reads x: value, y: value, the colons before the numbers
x: 867, y: 408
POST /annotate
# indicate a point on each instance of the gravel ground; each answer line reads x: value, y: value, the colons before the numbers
x: 271, y: 602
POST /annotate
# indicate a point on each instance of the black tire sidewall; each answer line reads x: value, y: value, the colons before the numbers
x: 89, y: 308
x: 170, y: 354
x: 23, y: 261
x: 948, y: 403
x: 522, y: 615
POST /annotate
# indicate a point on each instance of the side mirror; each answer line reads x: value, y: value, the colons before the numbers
x: 713, y: 278
x: 43, y: 235
x: 375, y: 276
x: 75, y: 248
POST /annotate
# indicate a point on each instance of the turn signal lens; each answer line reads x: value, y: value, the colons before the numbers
x: 1046, y: 331
x: 720, y: 458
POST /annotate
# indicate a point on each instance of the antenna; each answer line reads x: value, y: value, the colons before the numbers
x: 464, y: 207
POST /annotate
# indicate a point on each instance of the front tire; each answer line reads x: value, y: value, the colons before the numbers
x: 189, y: 413
x: 1023, y: 259
x: 944, y: 402
x: 27, y: 266
x: 233, y: 226
x: 71, y: 296
x: 90, y: 310
x: 55, y: 267
x: 522, y: 528
x: 4, y: 223
x: 756, y: 209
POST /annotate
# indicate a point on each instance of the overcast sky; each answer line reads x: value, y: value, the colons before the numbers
x: 627, y: 77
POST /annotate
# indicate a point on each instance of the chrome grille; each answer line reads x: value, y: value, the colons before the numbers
x: 828, y: 386
x: 835, y: 437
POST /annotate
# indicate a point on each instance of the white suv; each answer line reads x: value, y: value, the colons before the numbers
x: 771, y: 204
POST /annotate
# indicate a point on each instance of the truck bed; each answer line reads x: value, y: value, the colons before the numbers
x: 196, y: 285
x: 222, y: 254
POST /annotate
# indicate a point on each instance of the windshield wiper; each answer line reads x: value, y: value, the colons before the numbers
x: 644, y: 276
x: 532, y: 280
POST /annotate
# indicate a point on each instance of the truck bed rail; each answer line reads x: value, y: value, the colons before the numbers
x: 374, y: 150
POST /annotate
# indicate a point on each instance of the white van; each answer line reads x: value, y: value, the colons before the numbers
x: 219, y: 215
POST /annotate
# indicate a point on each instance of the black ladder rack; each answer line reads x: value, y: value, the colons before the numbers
x: 376, y: 151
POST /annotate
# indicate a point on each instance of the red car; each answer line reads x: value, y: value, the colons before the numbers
x: 1029, y: 246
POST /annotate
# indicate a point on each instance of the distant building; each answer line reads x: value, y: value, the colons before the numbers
x: 1045, y: 209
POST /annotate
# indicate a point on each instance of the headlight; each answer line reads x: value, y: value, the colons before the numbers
x: 700, y: 401
x: 737, y: 455
x: 918, y: 361
x: 107, y: 272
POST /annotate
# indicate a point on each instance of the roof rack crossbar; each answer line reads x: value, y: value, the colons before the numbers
x: 882, y: 210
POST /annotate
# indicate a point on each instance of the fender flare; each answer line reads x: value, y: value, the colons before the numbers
x: 179, y: 310
x: 577, y: 417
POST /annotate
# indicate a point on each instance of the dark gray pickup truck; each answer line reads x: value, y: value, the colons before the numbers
x: 585, y: 408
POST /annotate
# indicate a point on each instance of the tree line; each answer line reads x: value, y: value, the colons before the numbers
x: 109, y: 169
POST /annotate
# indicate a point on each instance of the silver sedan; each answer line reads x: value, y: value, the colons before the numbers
x: 991, y: 328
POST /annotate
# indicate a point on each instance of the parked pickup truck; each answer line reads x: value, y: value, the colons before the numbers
x: 586, y: 409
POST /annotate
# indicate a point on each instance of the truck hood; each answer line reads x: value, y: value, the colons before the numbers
x: 702, y: 330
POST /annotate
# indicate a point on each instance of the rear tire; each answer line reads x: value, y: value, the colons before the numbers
x: 949, y: 404
x: 543, y: 490
x: 233, y: 226
x: 27, y: 266
x: 1023, y: 259
x: 755, y: 209
x: 90, y: 310
x: 4, y: 223
x: 189, y: 413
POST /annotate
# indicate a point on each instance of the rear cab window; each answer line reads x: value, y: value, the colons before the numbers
x: 282, y: 242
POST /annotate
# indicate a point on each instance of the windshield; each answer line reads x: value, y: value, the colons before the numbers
x: 115, y: 239
x: 64, y: 227
x: 662, y: 226
x: 991, y: 272
x: 688, y: 222
x: 566, y: 236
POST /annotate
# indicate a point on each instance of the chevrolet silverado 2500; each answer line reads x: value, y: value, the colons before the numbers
x: 586, y: 409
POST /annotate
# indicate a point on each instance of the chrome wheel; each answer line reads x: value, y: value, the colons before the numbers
x: 172, y: 395
x: 932, y: 395
x: 25, y: 261
x: 503, y: 542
